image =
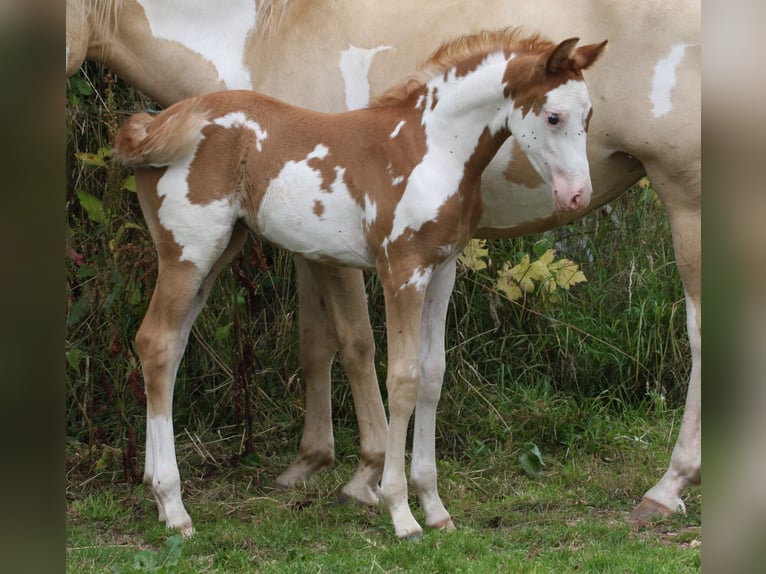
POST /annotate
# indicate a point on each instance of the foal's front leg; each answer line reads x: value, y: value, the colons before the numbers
x: 432, y: 367
x: 404, y: 306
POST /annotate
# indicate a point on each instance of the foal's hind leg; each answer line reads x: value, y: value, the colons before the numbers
x: 181, y: 291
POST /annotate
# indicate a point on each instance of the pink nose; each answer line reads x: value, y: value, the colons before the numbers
x: 570, y: 201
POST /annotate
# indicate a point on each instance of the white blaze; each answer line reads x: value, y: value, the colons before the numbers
x: 216, y: 31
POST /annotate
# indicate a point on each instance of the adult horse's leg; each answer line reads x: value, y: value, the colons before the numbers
x: 432, y: 367
x: 343, y: 304
x: 681, y: 195
x: 316, y: 352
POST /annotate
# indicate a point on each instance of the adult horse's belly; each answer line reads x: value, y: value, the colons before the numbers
x: 518, y: 202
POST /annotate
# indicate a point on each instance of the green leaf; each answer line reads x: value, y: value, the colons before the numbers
x: 531, y: 460
x: 86, y: 271
x: 92, y: 205
x: 129, y: 184
x: 97, y: 159
x: 78, y: 311
x: 222, y: 333
x: 81, y: 86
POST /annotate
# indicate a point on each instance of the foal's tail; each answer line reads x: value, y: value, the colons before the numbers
x: 163, y: 139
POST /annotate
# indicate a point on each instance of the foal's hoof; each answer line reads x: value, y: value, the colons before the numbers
x: 648, y: 510
x: 415, y: 536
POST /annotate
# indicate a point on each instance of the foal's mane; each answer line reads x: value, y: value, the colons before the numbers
x: 453, y: 52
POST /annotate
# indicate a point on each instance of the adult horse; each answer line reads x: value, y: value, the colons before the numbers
x: 331, y: 57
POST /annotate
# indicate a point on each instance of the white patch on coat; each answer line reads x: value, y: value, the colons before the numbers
x: 419, y: 279
x: 664, y: 80
x: 286, y: 215
x: 396, y: 129
x: 355, y: 68
x: 194, y: 25
x: 240, y: 120
x: 437, y: 177
x: 370, y: 211
x: 202, y: 231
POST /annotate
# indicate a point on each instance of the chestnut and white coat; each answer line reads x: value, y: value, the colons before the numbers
x: 393, y: 187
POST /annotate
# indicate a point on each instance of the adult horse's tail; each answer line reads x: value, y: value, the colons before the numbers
x: 164, y: 139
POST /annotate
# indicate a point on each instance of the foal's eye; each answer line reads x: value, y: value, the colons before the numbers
x: 553, y: 119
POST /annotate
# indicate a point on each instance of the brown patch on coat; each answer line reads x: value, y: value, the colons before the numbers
x: 519, y: 169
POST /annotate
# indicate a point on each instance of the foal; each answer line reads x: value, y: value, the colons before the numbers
x: 394, y: 187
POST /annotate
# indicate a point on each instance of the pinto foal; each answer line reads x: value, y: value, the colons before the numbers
x: 394, y: 187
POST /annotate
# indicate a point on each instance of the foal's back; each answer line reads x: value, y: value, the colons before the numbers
x: 298, y: 178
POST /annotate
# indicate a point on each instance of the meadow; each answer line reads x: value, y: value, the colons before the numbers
x: 567, y: 369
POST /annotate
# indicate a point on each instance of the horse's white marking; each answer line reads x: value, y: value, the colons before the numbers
x: 240, y: 120
x: 202, y: 231
x: 664, y: 80
x: 216, y: 33
x: 685, y: 461
x: 286, y: 214
x: 370, y: 211
x: 355, y: 68
x: 441, y: 169
x: 419, y: 279
x: 166, y: 480
x: 396, y: 129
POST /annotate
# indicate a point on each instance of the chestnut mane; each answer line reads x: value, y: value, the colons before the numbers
x: 457, y: 50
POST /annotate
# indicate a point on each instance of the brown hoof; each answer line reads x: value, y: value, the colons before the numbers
x: 445, y: 525
x: 647, y: 511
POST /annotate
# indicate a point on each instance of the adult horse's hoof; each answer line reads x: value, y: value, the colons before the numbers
x: 445, y: 525
x: 647, y: 511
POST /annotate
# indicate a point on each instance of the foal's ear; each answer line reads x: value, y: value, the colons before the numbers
x: 557, y: 59
x: 585, y: 56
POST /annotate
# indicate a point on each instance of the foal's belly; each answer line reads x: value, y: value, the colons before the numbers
x: 321, y: 226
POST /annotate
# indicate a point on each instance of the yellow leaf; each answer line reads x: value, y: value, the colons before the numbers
x: 507, y: 284
x: 547, y: 257
x: 567, y: 273
x: 474, y: 255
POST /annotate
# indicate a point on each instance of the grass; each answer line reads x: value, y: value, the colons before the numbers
x: 572, y: 518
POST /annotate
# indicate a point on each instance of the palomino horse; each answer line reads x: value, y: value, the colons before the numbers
x: 393, y: 187
x: 648, y: 123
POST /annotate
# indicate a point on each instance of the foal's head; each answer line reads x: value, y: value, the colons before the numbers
x: 550, y: 115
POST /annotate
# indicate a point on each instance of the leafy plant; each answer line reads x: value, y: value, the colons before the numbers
x: 531, y: 460
x: 163, y: 561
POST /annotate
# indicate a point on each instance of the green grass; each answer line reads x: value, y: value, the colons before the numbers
x: 572, y: 518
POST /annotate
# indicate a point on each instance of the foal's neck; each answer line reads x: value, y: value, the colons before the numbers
x: 465, y: 114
